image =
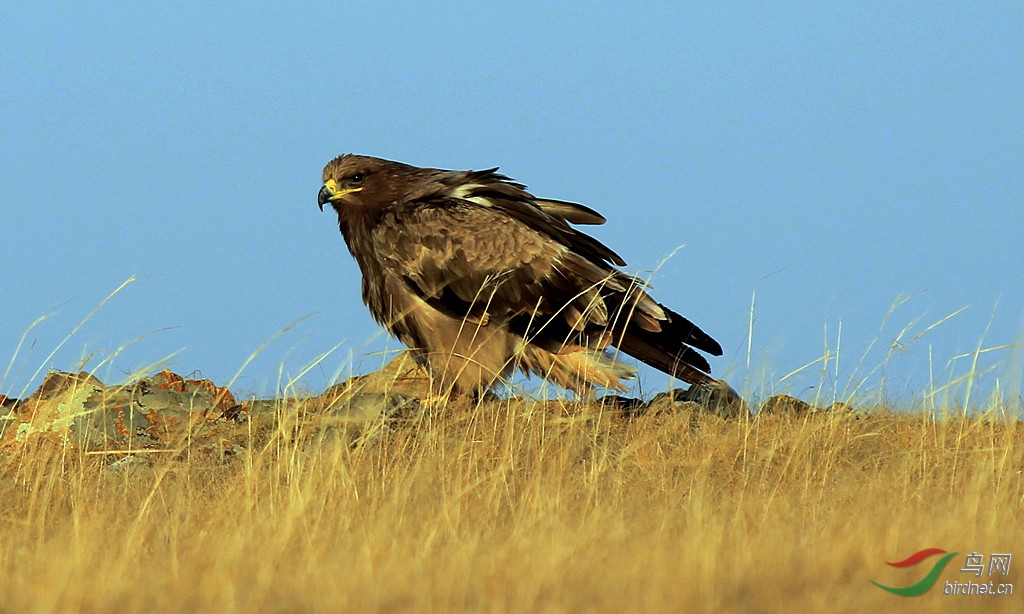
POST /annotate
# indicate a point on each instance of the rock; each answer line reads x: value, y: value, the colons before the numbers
x: 403, y: 375
x: 152, y: 412
x: 630, y: 407
x: 394, y: 391
x: 784, y: 404
x: 132, y: 462
x: 168, y: 415
x: 58, y: 405
x: 361, y: 411
x: 839, y: 407
x: 718, y: 398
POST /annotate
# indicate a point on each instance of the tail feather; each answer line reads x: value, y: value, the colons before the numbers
x: 686, y: 365
x: 682, y: 330
x: 671, y: 350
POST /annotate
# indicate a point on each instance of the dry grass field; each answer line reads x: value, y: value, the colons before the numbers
x: 515, y: 506
x: 166, y: 494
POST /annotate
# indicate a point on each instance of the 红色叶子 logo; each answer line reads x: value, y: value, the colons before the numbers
x: 920, y: 587
x: 999, y: 564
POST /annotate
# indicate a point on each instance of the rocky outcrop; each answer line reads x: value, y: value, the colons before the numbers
x: 171, y: 413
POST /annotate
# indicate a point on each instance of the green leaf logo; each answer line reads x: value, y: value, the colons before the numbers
x: 921, y: 587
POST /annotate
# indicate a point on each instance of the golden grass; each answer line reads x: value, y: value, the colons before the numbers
x: 519, y: 506
x: 522, y: 506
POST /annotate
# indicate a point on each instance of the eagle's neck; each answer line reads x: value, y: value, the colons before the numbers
x: 357, y: 228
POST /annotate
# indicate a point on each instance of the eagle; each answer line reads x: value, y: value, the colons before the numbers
x: 480, y: 278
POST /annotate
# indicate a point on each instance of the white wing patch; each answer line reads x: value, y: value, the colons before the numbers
x: 463, y: 193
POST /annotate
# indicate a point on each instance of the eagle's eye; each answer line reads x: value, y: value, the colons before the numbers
x: 356, y: 179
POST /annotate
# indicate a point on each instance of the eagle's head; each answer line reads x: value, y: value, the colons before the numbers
x: 353, y: 183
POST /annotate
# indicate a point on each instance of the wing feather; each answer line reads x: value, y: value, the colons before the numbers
x: 487, y: 251
x: 571, y: 212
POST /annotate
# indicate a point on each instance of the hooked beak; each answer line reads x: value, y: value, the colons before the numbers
x: 330, y: 193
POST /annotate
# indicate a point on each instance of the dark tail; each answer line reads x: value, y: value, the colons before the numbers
x: 673, y: 350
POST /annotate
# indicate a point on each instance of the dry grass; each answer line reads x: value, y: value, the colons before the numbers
x: 519, y: 507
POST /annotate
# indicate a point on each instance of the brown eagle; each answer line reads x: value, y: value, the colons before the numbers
x: 480, y: 278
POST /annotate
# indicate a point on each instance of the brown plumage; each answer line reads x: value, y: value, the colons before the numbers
x: 479, y: 277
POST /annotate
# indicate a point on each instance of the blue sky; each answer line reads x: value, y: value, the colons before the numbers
x: 831, y: 160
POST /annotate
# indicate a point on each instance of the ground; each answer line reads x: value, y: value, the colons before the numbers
x: 171, y: 494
